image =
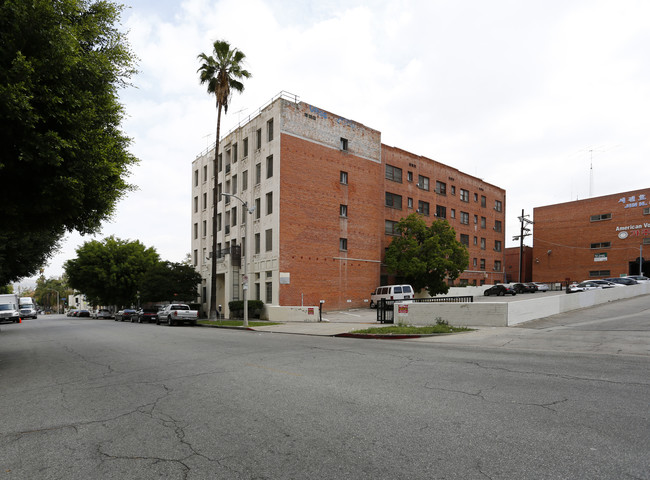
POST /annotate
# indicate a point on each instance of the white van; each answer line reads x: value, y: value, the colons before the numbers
x: 27, y: 307
x: 391, y: 292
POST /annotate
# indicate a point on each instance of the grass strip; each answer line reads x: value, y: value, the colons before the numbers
x: 413, y: 330
x: 235, y: 323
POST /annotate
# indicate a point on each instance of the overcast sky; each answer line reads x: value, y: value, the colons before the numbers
x: 526, y: 95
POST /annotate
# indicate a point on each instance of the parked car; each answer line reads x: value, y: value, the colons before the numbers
x: 522, y: 288
x: 605, y: 283
x: 177, y: 313
x: 72, y: 313
x: 500, y: 290
x: 573, y: 288
x: 148, y: 315
x: 623, y: 280
x: 639, y: 278
x: 102, y: 313
x: 125, y: 314
x: 390, y: 292
x: 541, y: 287
x: 83, y: 313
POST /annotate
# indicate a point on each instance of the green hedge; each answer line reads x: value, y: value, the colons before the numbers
x: 255, y: 308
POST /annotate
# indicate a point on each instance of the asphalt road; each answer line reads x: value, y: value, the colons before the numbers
x: 94, y: 399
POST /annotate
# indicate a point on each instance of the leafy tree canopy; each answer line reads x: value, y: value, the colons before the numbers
x: 63, y: 157
x: 170, y: 281
x: 110, y: 272
x: 47, y: 289
x: 426, y: 255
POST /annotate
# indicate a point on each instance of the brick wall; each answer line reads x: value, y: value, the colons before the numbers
x: 564, y: 234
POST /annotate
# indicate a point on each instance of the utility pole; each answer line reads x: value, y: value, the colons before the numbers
x: 524, y: 232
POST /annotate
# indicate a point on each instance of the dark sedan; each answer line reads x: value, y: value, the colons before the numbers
x: 623, y: 280
x: 499, y: 290
x: 126, y: 315
x: 148, y: 315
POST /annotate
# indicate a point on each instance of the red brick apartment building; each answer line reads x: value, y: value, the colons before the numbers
x: 327, y: 195
x: 592, y: 238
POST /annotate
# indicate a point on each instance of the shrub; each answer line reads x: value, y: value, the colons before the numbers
x: 255, y: 308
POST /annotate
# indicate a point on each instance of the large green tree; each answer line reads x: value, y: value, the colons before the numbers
x: 110, y: 272
x: 426, y: 256
x: 63, y: 157
x: 170, y: 281
x: 222, y: 72
x: 48, y: 290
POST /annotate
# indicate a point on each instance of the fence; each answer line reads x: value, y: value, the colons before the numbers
x: 386, y: 308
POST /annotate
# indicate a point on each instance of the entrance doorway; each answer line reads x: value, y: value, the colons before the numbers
x: 633, y: 268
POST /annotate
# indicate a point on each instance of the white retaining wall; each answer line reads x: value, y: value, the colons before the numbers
x: 503, y: 314
x: 290, y: 314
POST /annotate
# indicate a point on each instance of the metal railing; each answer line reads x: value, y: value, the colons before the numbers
x: 386, y: 308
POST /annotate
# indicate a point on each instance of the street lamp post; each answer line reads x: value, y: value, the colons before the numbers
x: 248, y: 253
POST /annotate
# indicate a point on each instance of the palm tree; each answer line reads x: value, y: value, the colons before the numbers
x: 222, y: 73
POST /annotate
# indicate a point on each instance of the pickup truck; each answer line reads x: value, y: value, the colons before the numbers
x: 177, y: 313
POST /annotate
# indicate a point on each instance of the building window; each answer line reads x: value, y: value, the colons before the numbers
x: 258, y: 139
x: 475, y: 219
x: 343, y: 244
x: 601, y: 245
x: 343, y: 211
x: 453, y: 190
x: 219, y: 163
x: 464, y: 195
x: 269, y: 240
x: 476, y: 197
x: 475, y: 241
x: 409, y: 176
x: 482, y: 266
x: 409, y: 202
x: 269, y: 130
x: 464, y: 218
x: 204, y: 230
x: 423, y: 208
x: 258, y: 208
x: 234, y: 184
x: 497, y: 265
x: 453, y: 213
x: 234, y: 153
x: 498, y: 206
x: 269, y: 166
x: 218, y: 222
x: 483, y: 201
x: 196, y: 257
x: 497, y: 245
x: 344, y: 144
x: 394, y: 173
x: 205, y: 201
x: 258, y: 174
x: 646, y: 211
x: 482, y: 243
x: 196, y: 231
x: 244, y: 180
x: 245, y: 147
x: 475, y: 262
x: 196, y: 178
x: 196, y: 204
x: 464, y: 239
x: 233, y: 216
x: 423, y: 182
x: 441, y: 212
x: 483, y: 222
x: 441, y: 188
x: 602, y: 216
x: 393, y: 201
x: 497, y: 225
x: 344, y: 177
x: 205, y: 173
x: 391, y: 228
x: 257, y: 243
x: 269, y: 292
x: 269, y: 203
x: 599, y: 273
